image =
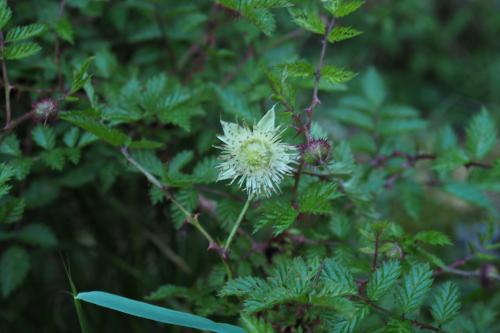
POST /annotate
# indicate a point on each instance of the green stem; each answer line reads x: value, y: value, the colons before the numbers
x: 237, y: 224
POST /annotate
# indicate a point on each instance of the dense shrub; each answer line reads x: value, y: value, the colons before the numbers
x: 280, y: 165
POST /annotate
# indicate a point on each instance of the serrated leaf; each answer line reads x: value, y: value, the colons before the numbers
x: 80, y: 76
x: 241, y: 286
x: 256, y: 325
x: 342, y: 33
x: 103, y: 132
x: 317, y: 198
x: 10, y: 146
x: 307, y: 20
x: 336, y: 75
x: 416, y: 285
x: 450, y: 160
x: 299, y: 68
x: 37, y: 234
x: 337, y: 280
x: 383, y: 279
x: 188, y: 198
x: 355, y: 118
x: 398, y: 326
x: 24, y: 32
x: 53, y: 158
x: 64, y: 30
x: 446, y: 303
x: 347, y: 7
x: 5, y: 13
x: 70, y: 138
x: 21, y: 50
x: 398, y: 126
x: 481, y: 134
x: 278, y: 214
x: 44, y: 137
x: 470, y: 193
x: 433, y: 237
x: 14, y: 267
x: 11, y: 210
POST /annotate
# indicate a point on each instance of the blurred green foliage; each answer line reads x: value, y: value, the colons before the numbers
x: 409, y: 107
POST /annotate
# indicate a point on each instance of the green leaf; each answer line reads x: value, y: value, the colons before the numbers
x: 71, y: 137
x: 307, y: 20
x: 469, y: 193
x: 433, y: 237
x: 374, y: 87
x: 278, y: 214
x: 64, y: 30
x: 450, y: 160
x: 80, y: 76
x: 53, y: 158
x: 241, y: 286
x: 342, y: 33
x: 44, y: 137
x: 355, y: 118
x: 347, y: 7
x: 21, y: 50
x: 256, y: 325
x: 446, y: 303
x: 300, y: 68
x: 84, y: 120
x: 481, y: 134
x: 317, y: 198
x: 337, y: 280
x: 416, y: 286
x: 10, y: 146
x: 188, y: 198
x: 398, y: 126
x: 11, y: 210
x: 398, y: 326
x: 383, y: 279
x: 156, y: 313
x: 336, y: 75
x: 37, y: 234
x: 5, y: 13
x: 14, y: 267
x: 24, y: 32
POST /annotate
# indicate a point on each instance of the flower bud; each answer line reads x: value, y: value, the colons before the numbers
x: 45, y: 108
x: 315, y: 152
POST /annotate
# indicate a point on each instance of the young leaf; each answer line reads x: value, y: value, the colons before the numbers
x: 307, y: 20
x: 44, y: 137
x: 347, y: 7
x: 342, y: 33
x: 481, y: 134
x: 416, y: 285
x: 24, y: 32
x: 80, y: 76
x: 21, y: 50
x: 433, y: 237
x: 156, y: 313
x: 336, y: 75
x: 5, y: 13
x: 256, y: 325
x: 64, y: 30
x: 446, y: 303
x: 14, y: 265
x: 383, y: 279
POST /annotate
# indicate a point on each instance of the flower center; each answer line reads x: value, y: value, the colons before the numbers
x: 256, y: 154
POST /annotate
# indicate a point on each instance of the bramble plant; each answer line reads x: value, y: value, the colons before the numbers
x: 223, y: 160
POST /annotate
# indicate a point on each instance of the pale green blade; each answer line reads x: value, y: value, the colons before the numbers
x: 156, y: 313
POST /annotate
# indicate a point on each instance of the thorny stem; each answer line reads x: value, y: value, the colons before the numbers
x: 6, y: 83
x: 192, y: 219
x: 237, y: 224
x: 317, y: 78
x: 375, y: 253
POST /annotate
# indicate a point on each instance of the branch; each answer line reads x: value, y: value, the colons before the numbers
x: 6, y: 83
x: 317, y: 77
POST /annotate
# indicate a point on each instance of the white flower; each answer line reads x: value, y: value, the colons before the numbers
x: 256, y: 156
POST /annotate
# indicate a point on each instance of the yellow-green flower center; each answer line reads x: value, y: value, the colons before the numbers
x: 256, y: 154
